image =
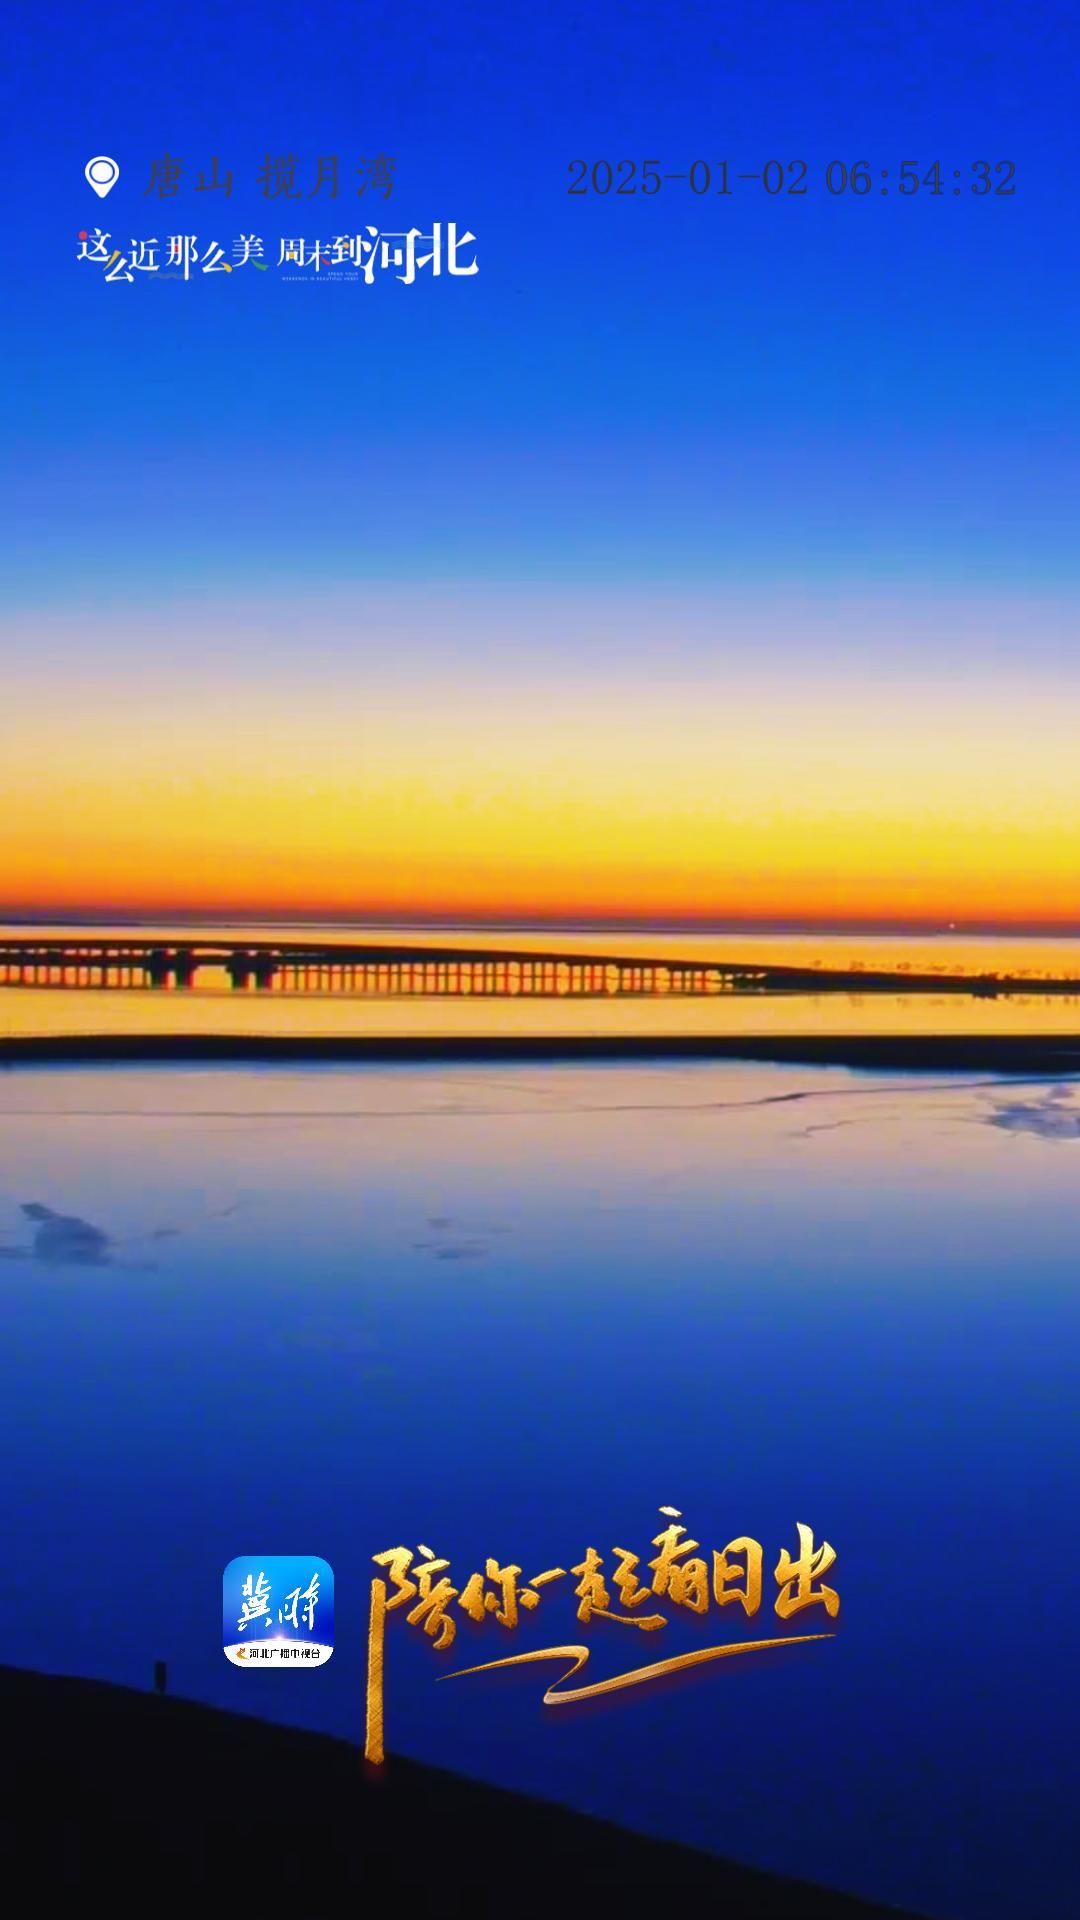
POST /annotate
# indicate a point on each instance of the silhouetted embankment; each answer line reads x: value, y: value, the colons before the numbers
x: 940, y: 1053
x: 107, y: 1789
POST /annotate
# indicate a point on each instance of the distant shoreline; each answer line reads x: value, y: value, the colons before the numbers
x: 958, y: 1053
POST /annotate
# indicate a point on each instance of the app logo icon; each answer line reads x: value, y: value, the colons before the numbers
x: 277, y: 1610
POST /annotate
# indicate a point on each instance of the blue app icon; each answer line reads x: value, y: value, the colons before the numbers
x: 278, y: 1610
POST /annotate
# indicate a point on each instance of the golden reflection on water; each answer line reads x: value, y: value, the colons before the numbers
x: 213, y: 1007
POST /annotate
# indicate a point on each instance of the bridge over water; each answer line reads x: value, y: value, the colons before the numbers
x: 381, y: 968
x: 384, y: 969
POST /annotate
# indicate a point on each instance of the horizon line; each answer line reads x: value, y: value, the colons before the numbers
x: 823, y: 926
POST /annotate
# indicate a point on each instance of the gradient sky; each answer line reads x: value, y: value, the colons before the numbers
x: 700, y: 559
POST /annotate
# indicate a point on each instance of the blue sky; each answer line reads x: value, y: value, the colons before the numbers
x: 384, y: 595
x: 668, y: 389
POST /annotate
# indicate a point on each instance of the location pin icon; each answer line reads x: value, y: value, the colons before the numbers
x: 102, y: 174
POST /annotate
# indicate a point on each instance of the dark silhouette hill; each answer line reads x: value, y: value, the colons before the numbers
x: 106, y: 1789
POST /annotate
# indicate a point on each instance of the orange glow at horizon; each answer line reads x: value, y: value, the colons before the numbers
x: 681, y: 803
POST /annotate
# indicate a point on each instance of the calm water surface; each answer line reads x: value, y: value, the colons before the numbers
x: 514, y: 1312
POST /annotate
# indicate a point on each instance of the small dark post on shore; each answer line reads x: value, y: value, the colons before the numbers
x: 159, y: 1676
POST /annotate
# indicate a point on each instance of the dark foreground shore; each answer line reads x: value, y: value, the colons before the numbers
x: 106, y: 1789
x: 940, y: 1053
